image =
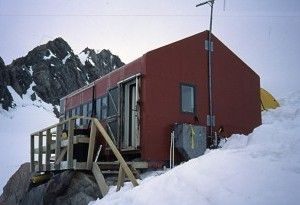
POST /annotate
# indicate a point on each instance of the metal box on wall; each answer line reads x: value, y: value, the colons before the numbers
x: 190, y: 140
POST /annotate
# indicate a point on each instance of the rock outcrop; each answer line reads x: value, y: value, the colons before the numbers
x: 52, y: 71
x: 65, y: 188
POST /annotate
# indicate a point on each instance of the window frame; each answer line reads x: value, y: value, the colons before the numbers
x: 195, y: 100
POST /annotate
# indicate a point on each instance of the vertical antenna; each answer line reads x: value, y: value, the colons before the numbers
x: 224, y: 5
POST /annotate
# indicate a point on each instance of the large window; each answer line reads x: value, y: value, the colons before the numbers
x: 187, y: 93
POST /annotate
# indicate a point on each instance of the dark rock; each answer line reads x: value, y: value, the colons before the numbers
x: 54, y: 71
x: 5, y: 97
x: 17, y: 186
x: 20, y: 79
x: 33, y: 96
x: 56, y: 111
x: 65, y: 188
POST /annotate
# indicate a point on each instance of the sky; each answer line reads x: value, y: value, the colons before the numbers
x: 264, y: 34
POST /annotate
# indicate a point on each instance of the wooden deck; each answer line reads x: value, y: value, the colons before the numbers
x: 52, y: 149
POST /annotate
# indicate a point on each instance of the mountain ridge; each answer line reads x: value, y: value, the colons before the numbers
x: 51, y: 71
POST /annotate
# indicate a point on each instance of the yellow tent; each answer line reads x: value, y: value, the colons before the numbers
x: 267, y: 100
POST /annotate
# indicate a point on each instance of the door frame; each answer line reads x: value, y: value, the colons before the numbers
x: 133, y: 80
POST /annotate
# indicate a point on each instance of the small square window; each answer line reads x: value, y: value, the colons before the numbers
x: 187, y: 98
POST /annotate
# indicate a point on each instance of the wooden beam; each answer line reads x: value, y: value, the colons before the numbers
x: 91, y: 146
x: 61, y: 156
x: 116, y: 152
x: 121, y: 178
x: 48, y: 149
x: 40, y: 155
x: 100, y: 179
x: 134, y: 170
x: 70, y: 147
x: 62, y: 123
x: 58, y: 145
x: 32, y: 166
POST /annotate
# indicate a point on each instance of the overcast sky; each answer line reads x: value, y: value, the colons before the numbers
x: 264, y: 33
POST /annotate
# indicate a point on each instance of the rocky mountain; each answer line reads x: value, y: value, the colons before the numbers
x: 51, y: 71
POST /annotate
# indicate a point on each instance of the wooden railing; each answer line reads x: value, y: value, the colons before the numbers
x: 51, y: 145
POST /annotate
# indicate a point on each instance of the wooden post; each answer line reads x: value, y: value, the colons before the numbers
x: 58, y: 145
x: 48, y: 151
x: 40, y: 156
x: 89, y: 163
x: 116, y: 152
x: 100, y: 179
x: 70, y: 143
x: 121, y: 178
x: 32, y: 162
x: 61, y: 156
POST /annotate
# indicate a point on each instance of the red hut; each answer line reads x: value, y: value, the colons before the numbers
x: 140, y: 102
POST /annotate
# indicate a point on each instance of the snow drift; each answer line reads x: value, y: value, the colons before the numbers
x: 261, y: 168
x: 16, y: 125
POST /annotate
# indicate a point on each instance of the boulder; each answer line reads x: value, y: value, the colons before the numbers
x: 64, y: 188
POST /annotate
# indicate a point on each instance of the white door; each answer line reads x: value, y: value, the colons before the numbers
x: 130, y: 116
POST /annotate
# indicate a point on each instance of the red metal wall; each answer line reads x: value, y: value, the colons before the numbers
x: 236, y: 92
x: 103, y: 84
x: 181, y: 62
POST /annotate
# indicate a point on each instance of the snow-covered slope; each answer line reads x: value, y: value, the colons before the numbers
x: 16, y: 125
x: 262, y: 168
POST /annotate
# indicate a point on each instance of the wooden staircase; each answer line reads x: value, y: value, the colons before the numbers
x: 52, y: 149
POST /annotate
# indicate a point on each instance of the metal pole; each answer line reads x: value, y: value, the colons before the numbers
x: 210, y: 70
x: 210, y: 97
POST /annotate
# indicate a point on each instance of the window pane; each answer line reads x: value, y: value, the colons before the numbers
x: 104, y: 107
x: 113, y: 102
x: 78, y: 111
x: 104, y: 101
x: 98, y: 108
x: 85, y: 110
x: 187, y: 98
x: 90, y: 109
x: 84, y: 113
x: 73, y: 112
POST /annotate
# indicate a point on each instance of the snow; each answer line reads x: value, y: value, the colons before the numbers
x: 66, y: 58
x: 83, y: 57
x: 16, y: 125
x: 50, y: 56
x: 91, y: 62
x: 261, y: 168
x: 30, y: 70
x: 25, y: 100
